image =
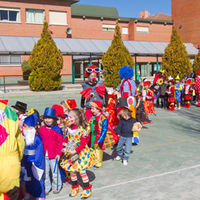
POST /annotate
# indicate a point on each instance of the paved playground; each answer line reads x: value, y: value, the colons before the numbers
x: 164, y: 166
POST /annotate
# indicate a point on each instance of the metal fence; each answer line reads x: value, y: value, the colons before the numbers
x: 18, y: 80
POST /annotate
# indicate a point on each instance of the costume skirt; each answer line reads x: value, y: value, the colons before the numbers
x: 148, y: 107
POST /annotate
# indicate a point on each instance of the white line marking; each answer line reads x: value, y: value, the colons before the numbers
x: 139, y: 179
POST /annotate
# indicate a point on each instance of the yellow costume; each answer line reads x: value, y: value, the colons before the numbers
x: 11, y: 149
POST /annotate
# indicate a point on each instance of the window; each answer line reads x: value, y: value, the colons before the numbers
x: 34, y: 16
x: 108, y: 27
x: 142, y: 29
x: 57, y: 18
x: 125, y: 30
x: 9, y: 15
x: 10, y: 60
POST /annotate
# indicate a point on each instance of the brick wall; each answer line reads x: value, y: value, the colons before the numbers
x: 186, y: 16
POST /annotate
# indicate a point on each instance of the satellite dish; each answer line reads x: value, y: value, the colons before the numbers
x: 69, y: 31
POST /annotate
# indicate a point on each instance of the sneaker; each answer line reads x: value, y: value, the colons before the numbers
x: 118, y: 158
x: 125, y: 162
x: 56, y: 191
x: 179, y: 108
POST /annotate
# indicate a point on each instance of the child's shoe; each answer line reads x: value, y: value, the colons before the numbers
x: 87, y: 192
x: 118, y: 158
x: 125, y: 162
x: 75, y: 190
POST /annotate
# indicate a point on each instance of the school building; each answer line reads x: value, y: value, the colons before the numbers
x: 76, y: 25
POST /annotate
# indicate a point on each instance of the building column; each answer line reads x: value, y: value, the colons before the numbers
x: 82, y: 70
x: 135, y: 68
x: 157, y: 65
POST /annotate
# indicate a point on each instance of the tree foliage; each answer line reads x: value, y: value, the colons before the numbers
x: 116, y: 56
x: 176, y: 59
x: 46, y: 63
x: 26, y: 69
x: 196, y: 64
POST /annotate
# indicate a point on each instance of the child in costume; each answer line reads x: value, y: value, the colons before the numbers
x: 20, y: 109
x: 93, y: 90
x: 148, y: 97
x: 163, y: 93
x: 141, y: 115
x: 33, y: 159
x: 11, y: 153
x: 52, y: 138
x: 124, y: 130
x: 78, y: 156
x: 102, y: 136
x: 171, y: 94
x: 178, y: 89
x: 187, y: 93
x: 197, y: 86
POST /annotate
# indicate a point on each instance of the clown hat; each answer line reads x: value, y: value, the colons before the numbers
x: 146, y: 82
x: 188, y: 81
x: 71, y: 104
x: 126, y: 72
x: 50, y: 112
x: 198, y: 72
x: 20, y: 106
x: 5, y: 101
x: 97, y: 104
x: 177, y: 77
x: 31, y: 120
x: 162, y: 71
x: 92, y: 69
x: 170, y: 79
x: 59, y: 110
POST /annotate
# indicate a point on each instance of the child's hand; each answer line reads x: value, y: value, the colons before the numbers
x: 72, y: 152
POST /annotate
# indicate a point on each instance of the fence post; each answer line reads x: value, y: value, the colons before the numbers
x: 4, y: 84
x: 73, y: 73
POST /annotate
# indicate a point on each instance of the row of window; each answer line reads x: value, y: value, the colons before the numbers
x: 10, y: 60
x: 139, y: 29
x: 34, y: 16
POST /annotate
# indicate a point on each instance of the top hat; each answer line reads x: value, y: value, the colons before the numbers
x: 31, y: 120
x: 50, y: 112
x: 177, y: 77
x: 20, y: 106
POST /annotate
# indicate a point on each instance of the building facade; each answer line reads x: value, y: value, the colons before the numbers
x: 25, y: 18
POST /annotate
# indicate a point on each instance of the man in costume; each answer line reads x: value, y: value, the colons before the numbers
x: 197, y: 86
x: 178, y: 89
x: 11, y: 153
x: 93, y: 90
x: 33, y: 160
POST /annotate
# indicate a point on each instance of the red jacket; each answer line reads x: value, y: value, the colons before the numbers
x: 171, y: 94
x: 187, y: 92
x: 52, y: 142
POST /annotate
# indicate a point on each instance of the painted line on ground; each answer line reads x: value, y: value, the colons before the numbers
x: 139, y: 179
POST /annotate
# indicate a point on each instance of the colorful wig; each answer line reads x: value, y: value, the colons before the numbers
x: 126, y: 72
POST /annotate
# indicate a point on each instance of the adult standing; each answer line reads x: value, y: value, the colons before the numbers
x: 11, y: 153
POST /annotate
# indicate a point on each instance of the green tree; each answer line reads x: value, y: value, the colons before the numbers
x: 196, y: 64
x: 176, y: 59
x: 46, y: 63
x: 26, y: 69
x: 116, y: 56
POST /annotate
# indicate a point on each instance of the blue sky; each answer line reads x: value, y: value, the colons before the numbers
x: 131, y: 8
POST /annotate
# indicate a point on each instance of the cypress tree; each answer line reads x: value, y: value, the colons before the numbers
x: 46, y: 63
x: 176, y: 59
x: 116, y: 56
x: 196, y: 64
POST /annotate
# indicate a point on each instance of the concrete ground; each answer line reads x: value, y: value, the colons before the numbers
x: 164, y: 166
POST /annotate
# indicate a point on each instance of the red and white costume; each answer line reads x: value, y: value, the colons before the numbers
x: 197, y: 86
x: 148, y: 98
x: 187, y: 93
x: 171, y: 95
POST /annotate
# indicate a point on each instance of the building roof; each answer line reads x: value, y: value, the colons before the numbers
x: 85, y: 47
x: 73, y: 1
x: 160, y: 16
x: 94, y: 11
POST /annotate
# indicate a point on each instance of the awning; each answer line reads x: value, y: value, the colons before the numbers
x: 85, y: 47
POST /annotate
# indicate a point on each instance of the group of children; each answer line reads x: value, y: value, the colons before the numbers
x: 175, y: 93
x: 67, y: 140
